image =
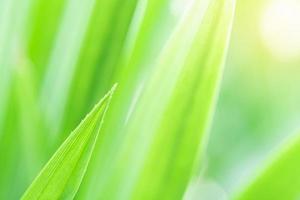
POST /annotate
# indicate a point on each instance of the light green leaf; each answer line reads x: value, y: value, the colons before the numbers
x: 165, y: 132
x: 60, y: 66
x: 143, y: 44
x: 62, y: 175
x: 42, y: 25
x: 177, y: 142
x: 280, y: 179
x: 12, y: 31
x: 86, y: 85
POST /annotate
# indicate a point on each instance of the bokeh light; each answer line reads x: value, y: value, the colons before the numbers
x: 280, y: 28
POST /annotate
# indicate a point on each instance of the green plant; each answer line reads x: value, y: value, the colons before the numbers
x: 279, y: 179
x: 58, y: 57
x: 62, y: 175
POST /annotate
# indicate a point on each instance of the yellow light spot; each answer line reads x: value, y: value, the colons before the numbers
x: 280, y: 28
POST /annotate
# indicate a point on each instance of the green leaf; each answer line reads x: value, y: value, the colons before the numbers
x: 62, y: 175
x: 42, y: 25
x: 188, y: 87
x: 280, y: 179
x: 144, y: 41
x: 12, y: 31
x: 98, y: 57
x: 61, y: 66
x: 34, y: 145
x: 165, y: 132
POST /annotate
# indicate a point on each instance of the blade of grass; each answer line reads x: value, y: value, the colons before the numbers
x: 62, y: 62
x: 9, y: 149
x: 34, y: 145
x: 142, y: 47
x: 62, y: 175
x: 12, y: 29
x: 280, y: 179
x: 194, y: 71
x: 42, y: 24
x: 179, y: 112
x: 7, y: 26
x: 99, y: 56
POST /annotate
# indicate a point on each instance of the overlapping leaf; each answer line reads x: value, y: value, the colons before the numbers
x: 281, y: 177
x: 76, y: 49
x: 164, y: 133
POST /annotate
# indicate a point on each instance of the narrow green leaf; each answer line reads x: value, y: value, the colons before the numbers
x: 42, y: 27
x: 165, y: 133
x: 178, y: 142
x: 11, y: 31
x: 9, y: 149
x: 146, y: 36
x: 32, y: 137
x: 280, y: 179
x: 61, y: 66
x: 62, y: 175
x: 12, y: 28
x: 102, y: 44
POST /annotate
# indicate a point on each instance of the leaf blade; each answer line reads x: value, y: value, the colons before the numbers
x: 179, y: 79
x: 63, y: 174
x: 274, y: 181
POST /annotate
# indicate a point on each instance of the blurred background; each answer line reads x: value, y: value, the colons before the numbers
x: 258, y: 108
x: 52, y: 52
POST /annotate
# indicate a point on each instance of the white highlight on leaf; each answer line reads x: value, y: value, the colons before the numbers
x: 204, y: 189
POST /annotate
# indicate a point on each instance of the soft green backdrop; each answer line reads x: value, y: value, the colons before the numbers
x: 258, y: 107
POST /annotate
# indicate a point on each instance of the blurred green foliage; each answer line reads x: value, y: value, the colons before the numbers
x: 258, y: 104
x: 59, y: 57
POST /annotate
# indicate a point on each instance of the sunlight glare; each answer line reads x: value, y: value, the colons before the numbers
x: 280, y: 28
